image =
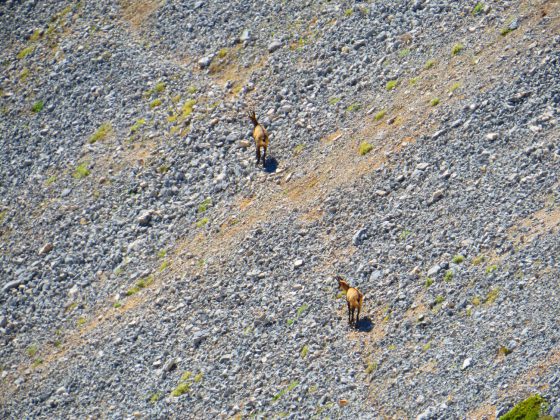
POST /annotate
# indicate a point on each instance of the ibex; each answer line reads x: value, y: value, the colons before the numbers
x: 261, y: 137
x: 354, y: 299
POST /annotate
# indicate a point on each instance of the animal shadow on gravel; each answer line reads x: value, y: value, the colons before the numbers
x: 270, y: 165
x: 364, y: 324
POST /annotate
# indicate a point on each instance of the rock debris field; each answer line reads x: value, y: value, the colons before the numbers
x: 148, y: 268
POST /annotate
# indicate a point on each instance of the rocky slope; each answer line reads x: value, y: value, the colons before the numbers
x: 143, y: 256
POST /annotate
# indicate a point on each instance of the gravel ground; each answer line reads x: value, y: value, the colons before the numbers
x: 149, y: 269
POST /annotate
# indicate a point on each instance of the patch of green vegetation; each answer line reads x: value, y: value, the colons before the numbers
x: 155, y: 103
x: 478, y: 260
x: 187, y: 108
x: 413, y: 81
x: 163, y: 266
x: 57, y: 343
x: 37, y: 362
x: 191, y: 90
x: 391, y: 84
x: 391, y: 347
x: 371, y: 367
x: 529, y: 409
x: 290, y: 387
x: 81, y: 321
x: 202, y: 222
x: 503, y: 351
x: 380, y: 115
x: 290, y: 322
x: 334, y: 100
x: 458, y: 259
x: 81, y: 171
x: 302, y: 309
x: 454, y: 87
x: 118, y: 271
x: 505, y: 30
x: 32, y: 350
x: 202, y: 207
x: 3, y: 214
x: 163, y: 169
x: 71, y: 307
x: 354, y: 107
x: 139, y: 123
x: 145, y: 281
x: 154, y: 398
x: 102, y: 133
x: 427, y: 346
x: 186, y: 376
x: 476, y: 301
x: 491, y: 268
x: 51, y: 180
x: 429, y: 64
x: 404, y: 234
x: 25, y: 52
x: 313, y: 389
x: 298, y: 149
x: 478, y: 8
x: 348, y: 12
x: 469, y: 312
x: 492, y: 295
x: 457, y: 48
x: 429, y: 282
x: 304, y: 351
x: 117, y: 305
x: 439, y: 299
x: 161, y: 253
x: 404, y: 52
x: 160, y: 87
x: 222, y: 53
x: 37, y: 106
x: 181, y: 389
x: 364, y: 148
x: 35, y: 35
x: 132, y: 291
x: 198, y: 377
x: 24, y: 74
x: 434, y: 102
x: 448, y: 276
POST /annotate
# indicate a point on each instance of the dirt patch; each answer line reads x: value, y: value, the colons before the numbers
x: 136, y: 12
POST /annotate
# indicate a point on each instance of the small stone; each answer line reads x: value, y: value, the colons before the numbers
x: 436, y: 196
x: 298, y: 263
x: 359, y: 43
x: 422, y: 166
x: 204, y: 62
x: 273, y: 46
x: 245, y: 35
x: 467, y: 363
x: 144, y: 218
x: 359, y: 237
x: 199, y: 337
x: 381, y: 193
x: 170, y: 365
x: 12, y: 285
x: 491, y: 136
x: 3, y: 322
x: 434, y: 270
x: 244, y: 144
x: 48, y: 247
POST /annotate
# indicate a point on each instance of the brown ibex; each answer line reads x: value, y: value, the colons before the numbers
x: 354, y: 299
x: 261, y: 137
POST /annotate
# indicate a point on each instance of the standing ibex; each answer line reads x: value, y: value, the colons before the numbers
x: 354, y: 299
x: 261, y: 137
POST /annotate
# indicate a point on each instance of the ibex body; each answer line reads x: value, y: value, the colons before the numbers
x: 261, y: 138
x: 354, y: 299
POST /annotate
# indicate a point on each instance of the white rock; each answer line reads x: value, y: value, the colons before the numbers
x: 466, y: 363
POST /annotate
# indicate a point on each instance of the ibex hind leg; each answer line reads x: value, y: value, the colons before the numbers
x: 264, y: 157
x: 258, y: 155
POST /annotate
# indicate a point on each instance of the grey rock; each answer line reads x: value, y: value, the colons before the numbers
x: 45, y: 249
x: 359, y: 237
x: 274, y: 45
x: 199, y: 337
x: 144, y: 218
x: 12, y: 285
x: 434, y: 270
x: 466, y: 363
x: 205, y: 62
